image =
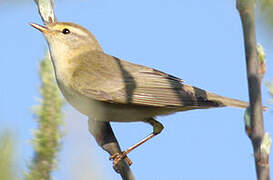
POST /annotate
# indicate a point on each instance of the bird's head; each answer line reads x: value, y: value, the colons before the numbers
x: 68, y: 36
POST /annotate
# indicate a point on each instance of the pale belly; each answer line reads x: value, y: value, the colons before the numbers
x: 103, y: 111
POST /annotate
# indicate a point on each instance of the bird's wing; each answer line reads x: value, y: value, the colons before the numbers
x: 106, y: 78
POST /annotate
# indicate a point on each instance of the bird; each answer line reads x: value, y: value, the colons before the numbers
x: 108, y: 89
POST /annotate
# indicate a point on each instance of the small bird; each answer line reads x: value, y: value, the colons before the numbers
x: 106, y: 88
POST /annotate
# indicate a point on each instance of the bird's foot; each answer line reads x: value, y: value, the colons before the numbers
x: 117, y: 157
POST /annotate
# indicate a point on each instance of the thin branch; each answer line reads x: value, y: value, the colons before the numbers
x: 256, y: 133
x: 46, y: 10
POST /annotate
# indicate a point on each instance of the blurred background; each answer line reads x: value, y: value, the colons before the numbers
x: 198, y: 41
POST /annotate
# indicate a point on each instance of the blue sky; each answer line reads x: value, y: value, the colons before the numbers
x: 198, y: 41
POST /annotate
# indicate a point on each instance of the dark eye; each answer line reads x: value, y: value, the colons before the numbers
x: 66, y: 31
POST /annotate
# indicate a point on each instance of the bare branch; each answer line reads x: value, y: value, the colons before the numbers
x: 46, y: 10
x: 256, y: 133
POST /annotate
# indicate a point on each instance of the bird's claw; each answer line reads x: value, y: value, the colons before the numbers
x: 117, y: 157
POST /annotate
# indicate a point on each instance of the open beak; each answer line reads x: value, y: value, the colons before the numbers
x: 39, y: 27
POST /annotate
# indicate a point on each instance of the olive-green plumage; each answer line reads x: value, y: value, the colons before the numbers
x: 117, y: 81
x: 81, y: 65
x: 106, y: 88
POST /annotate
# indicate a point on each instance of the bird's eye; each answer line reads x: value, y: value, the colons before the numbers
x: 66, y: 31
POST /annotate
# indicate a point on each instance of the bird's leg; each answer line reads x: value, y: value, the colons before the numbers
x: 105, y: 138
x: 157, y: 128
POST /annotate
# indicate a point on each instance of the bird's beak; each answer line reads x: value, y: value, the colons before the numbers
x: 39, y: 27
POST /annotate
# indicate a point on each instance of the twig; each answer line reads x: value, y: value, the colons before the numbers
x: 46, y: 10
x: 256, y: 133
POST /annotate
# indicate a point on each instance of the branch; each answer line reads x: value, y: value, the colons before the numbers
x: 46, y: 10
x: 256, y: 131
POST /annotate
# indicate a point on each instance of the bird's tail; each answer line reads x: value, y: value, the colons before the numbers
x: 225, y: 101
x: 204, y: 99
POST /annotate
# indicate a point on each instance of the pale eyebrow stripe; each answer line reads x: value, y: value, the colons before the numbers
x: 77, y: 31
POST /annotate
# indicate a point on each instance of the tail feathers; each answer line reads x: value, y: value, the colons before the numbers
x: 205, y: 99
x: 225, y: 101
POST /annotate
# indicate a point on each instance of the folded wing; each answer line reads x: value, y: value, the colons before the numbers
x: 106, y: 78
